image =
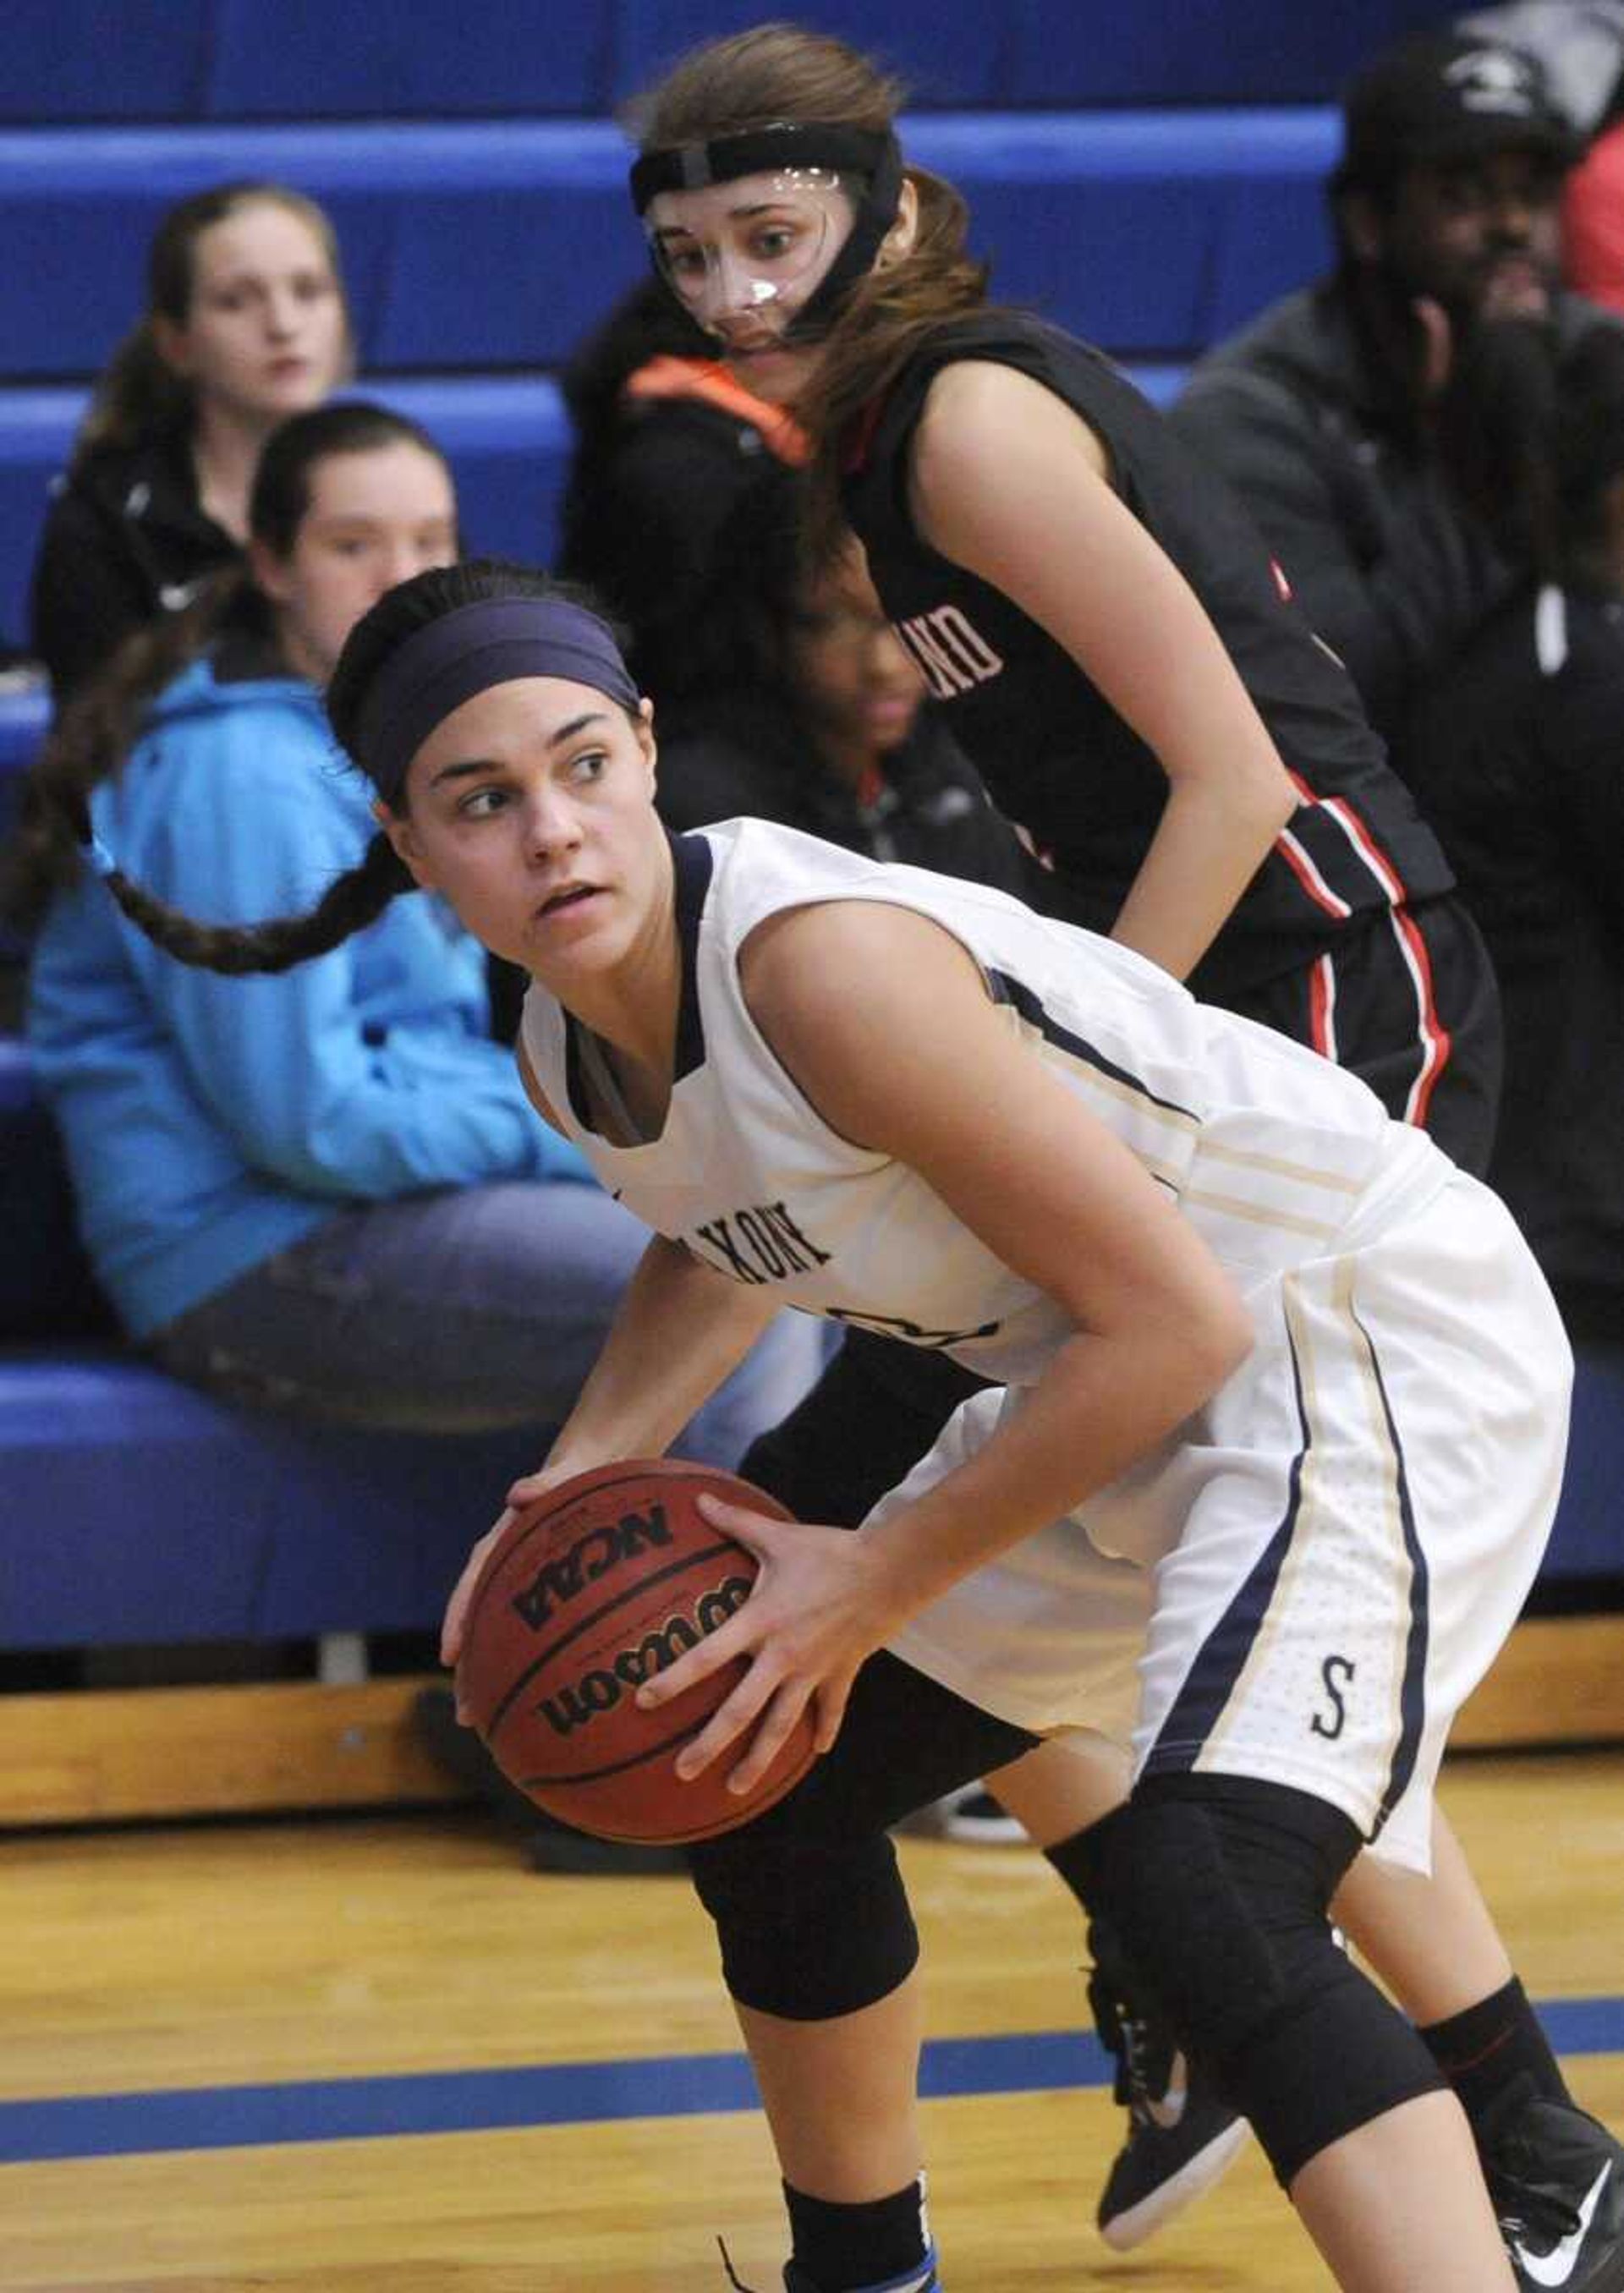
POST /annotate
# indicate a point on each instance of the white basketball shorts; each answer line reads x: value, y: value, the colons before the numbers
x: 1307, y: 1582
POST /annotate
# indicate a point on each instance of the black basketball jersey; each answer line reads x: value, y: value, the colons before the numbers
x: 1056, y: 754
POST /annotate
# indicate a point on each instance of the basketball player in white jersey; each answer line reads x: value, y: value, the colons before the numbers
x: 1282, y: 1427
x: 1283, y: 1411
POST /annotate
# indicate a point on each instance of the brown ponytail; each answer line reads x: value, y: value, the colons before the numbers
x: 97, y: 729
x: 885, y: 320
x: 100, y: 726
x: 361, y: 895
x: 350, y: 903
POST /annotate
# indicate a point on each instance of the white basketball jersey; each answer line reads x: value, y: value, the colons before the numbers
x: 1272, y: 1151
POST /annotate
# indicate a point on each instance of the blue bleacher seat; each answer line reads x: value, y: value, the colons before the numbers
x: 236, y: 1526
x: 1588, y: 1540
x: 1086, y: 52
x: 307, y: 60
x: 507, y: 437
x: 955, y: 55
x: 478, y: 247
x: 25, y: 711
x: 192, y: 60
x: 35, y: 427
x: 241, y: 1525
x: 103, y: 59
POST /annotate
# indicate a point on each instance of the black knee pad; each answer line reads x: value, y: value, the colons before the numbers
x: 808, y: 1928
x: 1217, y: 1891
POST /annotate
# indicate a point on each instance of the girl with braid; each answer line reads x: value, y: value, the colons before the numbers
x: 1115, y: 653
x: 323, y: 1191
x: 1221, y: 1508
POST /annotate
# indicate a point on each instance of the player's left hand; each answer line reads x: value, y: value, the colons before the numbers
x: 819, y: 1606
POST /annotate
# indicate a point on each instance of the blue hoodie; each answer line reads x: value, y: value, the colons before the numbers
x: 211, y: 1122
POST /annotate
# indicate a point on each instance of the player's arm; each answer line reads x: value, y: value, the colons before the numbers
x: 1008, y: 482
x: 680, y: 1330
x: 886, y: 1024
x: 861, y: 1002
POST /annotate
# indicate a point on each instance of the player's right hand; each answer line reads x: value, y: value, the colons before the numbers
x: 523, y: 1493
x: 457, y: 1608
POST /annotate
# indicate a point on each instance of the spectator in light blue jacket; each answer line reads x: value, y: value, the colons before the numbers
x: 323, y: 1192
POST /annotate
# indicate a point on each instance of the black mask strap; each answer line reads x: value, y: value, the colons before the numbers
x: 874, y: 159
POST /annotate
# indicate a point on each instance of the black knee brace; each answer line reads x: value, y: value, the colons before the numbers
x: 1217, y: 1889
x: 808, y: 1928
x: 808, y: 1899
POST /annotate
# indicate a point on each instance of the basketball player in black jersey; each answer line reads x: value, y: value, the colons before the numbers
x: 1192, y: 771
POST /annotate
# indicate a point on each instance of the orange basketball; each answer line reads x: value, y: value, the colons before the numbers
x: 603, y: 1582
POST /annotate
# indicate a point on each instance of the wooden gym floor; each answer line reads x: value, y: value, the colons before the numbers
x: 379, y: 2055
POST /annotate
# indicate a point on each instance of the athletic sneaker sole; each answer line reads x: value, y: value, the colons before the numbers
x: 1207, y: 2168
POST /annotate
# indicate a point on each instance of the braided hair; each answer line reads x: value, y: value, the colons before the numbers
x: 360, y: 896
x: 97, y: 729
x: 350, y: 903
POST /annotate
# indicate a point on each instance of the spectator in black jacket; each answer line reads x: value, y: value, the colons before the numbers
x: 246, y: 324
x: 666, y: 442
x: 797, y: 702
x: 1516, y: 756
x: 1358, y: 415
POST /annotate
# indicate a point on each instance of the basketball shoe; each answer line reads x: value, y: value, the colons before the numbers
x: 1556, y: 2177
x: 1180, y: 2139
x: 922, y: 2279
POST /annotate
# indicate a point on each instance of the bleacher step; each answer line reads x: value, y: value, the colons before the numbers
x: 157, y: 1754
x: 113, y: 1754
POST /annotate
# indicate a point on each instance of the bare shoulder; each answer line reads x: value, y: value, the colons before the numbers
x: 811, y: 960
x: 851, y: 993
x: 978, y: 413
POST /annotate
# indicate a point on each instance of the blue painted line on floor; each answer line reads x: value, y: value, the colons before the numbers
x: 567, y: 2094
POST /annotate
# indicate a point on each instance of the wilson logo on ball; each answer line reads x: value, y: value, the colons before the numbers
x: 598, y: 1691
x: 565, y: 1577
x: 604, y: 1581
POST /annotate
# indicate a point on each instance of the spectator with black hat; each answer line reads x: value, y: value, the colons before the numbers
x: 1580, y: 42
x: 1360, y: 416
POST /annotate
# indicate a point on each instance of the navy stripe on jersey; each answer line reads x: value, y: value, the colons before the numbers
x: 1211, y: 1679
x: 1021, y: 998
x: 692, y: 861
x: 1412, y: 1692
x: 575, y: 1074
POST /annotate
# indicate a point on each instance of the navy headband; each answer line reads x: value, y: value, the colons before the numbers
x: 491, y: 642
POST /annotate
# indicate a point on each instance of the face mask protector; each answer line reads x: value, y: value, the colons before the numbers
x: 762, y: 258
x: 755, y: 256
